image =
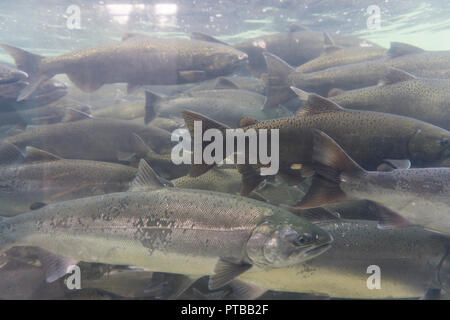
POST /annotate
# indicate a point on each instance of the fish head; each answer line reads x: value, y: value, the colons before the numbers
x: 10, y: 74
x: 49, y: 91
x: 222, y: 62
x: 430, y: 144
x: 276, y: 245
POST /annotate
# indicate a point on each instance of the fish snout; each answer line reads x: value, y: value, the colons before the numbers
x: 242, y: 56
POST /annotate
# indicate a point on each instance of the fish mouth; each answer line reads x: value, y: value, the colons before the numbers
x: 318, y: 249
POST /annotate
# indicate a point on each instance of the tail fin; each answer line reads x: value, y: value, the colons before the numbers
x: 150, y: 100
x: 278, y: 90
x: 189, y: 118
x: 25, y: 61
x: 330, y: 161
x: 9, y: 153
x: 28, y: 62
x: 251, y: 178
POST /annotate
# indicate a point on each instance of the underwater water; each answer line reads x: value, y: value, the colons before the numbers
x: 112, y: 186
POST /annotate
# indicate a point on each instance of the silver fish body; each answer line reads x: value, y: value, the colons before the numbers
x: 168, y: 230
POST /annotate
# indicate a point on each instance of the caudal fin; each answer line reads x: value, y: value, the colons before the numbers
x: 190, y: 117
x: 278, y: 86
x: 330, y: 161
x: 28, y: 62
x: 151, y: 99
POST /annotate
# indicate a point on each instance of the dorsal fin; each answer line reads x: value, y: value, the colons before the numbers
x: 224, y: 83
x: 33, y: 154
x: 205, y: 37
x: 296, y: 27
x: 315, y: 104
x: 247, y: 121
x: 73, y: 114
x: 395, y: 75
x: 398, y: 49
x: 146, y: 178
x: 327, y: 39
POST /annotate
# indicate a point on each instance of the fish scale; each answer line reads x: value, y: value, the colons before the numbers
x: 170, y: 230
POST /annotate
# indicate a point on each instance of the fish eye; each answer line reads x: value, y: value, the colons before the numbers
x: 303, y: 239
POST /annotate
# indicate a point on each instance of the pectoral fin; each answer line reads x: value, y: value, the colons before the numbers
x: 245, y: 291
x: 225, y: 272
x: 55, y: 266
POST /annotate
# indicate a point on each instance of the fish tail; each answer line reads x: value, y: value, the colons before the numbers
x: 277, y: 81
x: 251, y: 178
x: 150, y: 100
x: 330, y: 161
x: 28, y: 62
x: 190, y: 117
